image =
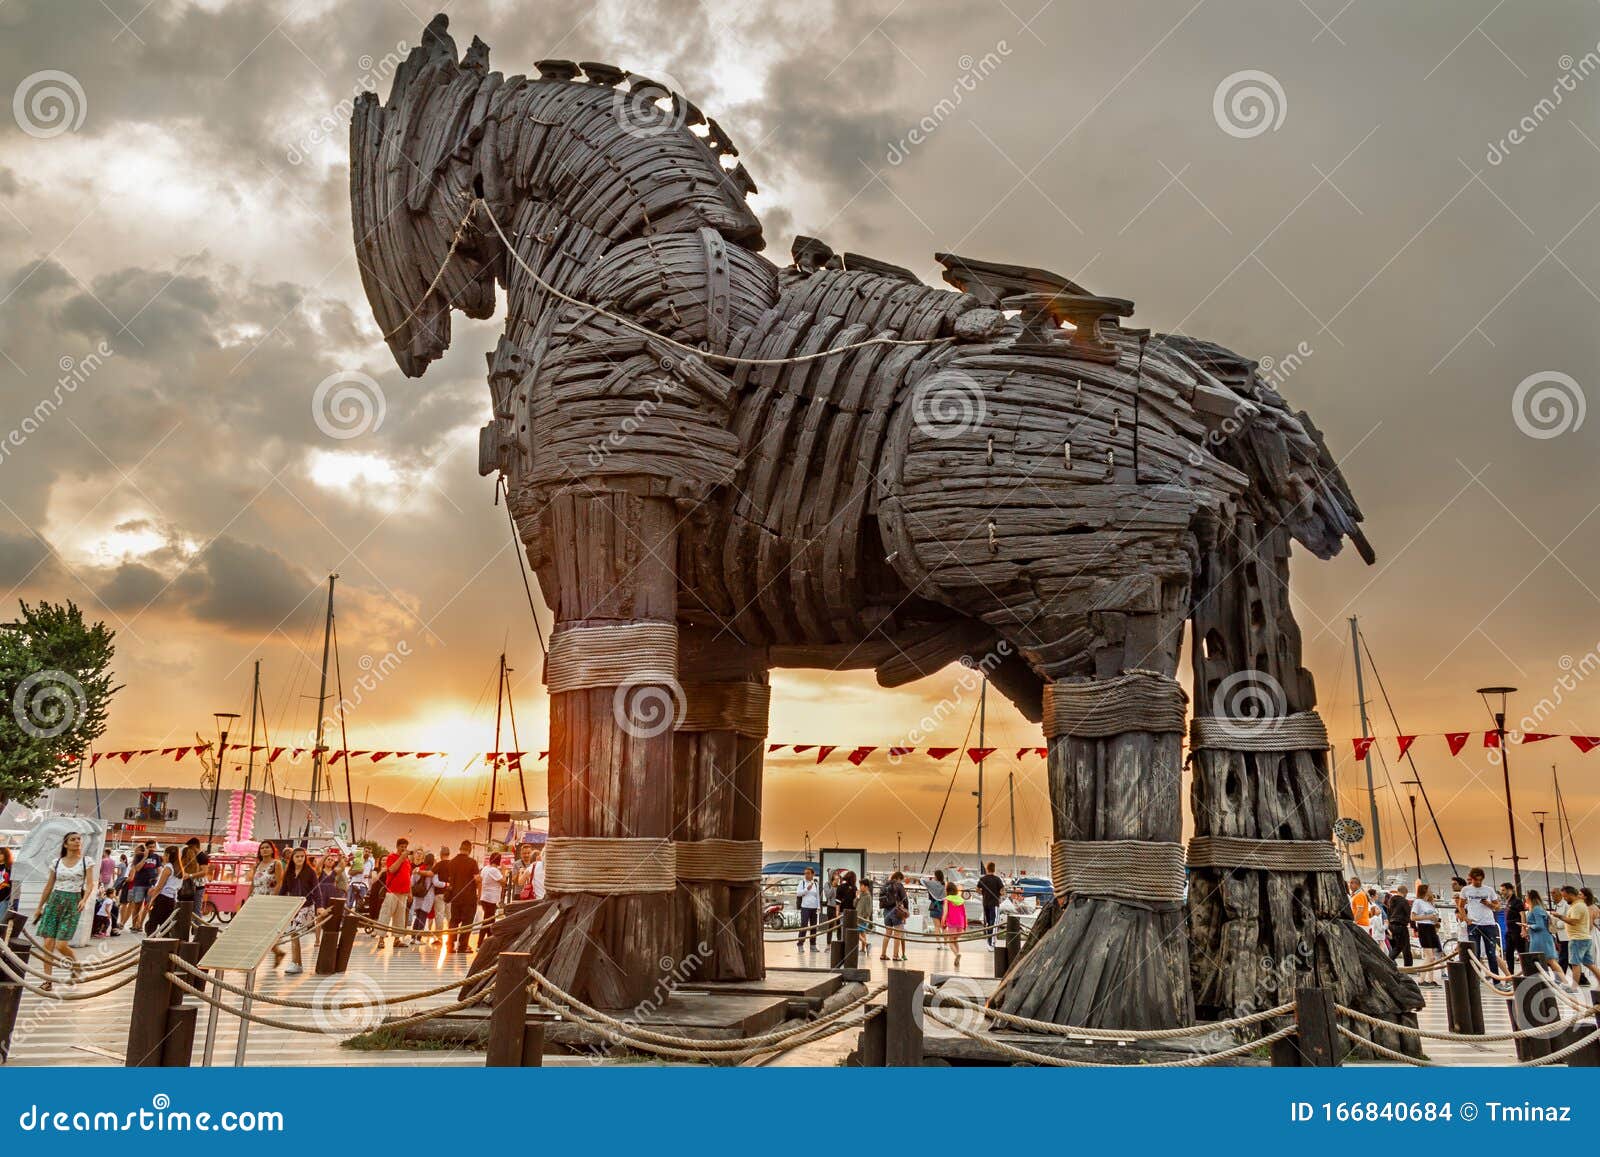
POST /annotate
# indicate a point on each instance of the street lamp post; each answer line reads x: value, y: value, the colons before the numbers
x: 1416, y: 833
x: 224, y: 718
x: 1505, y: 768
x: 1544, y: 854
x: 897, y: 851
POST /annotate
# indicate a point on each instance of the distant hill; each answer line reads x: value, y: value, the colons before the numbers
x: 193, y: 806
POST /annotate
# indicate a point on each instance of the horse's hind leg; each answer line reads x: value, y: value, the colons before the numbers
x: 1117, y: 954
x: 717, y: 759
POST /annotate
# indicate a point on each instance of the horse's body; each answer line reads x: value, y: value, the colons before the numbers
x: 965, y: 479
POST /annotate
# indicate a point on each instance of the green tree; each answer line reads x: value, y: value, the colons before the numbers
x: 55, y: 692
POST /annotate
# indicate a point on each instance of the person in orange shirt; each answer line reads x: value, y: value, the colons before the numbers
x: 1360, y: 904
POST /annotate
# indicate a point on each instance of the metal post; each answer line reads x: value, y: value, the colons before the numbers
x: 211, y: 1028
x: 244, y: 1025
x: 1505, y: 770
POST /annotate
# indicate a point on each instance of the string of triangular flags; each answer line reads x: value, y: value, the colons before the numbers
x: 1457, y: 740
x: 855, y: 755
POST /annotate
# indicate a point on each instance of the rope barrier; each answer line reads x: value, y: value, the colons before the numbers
x: 801, y: 931
x: 94, y: 970
x: 1435, y: 966
x: 130, y: 953
x: 1064, y: 1062
x: 1069, y: 1030
x: 1384, y: 1050
x: 50, y: 993
x: 1558, y: 983
x: 271, y: 1022
x: 1464, y: 1038
x: 1482, y: 970
x: 421, y: 933
x: 927, y: 937
x: 1538, y: 1062
x: 693, y: 351
x: 313, y: 1005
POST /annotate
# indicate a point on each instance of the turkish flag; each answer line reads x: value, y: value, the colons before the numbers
x: 1403, y: 742
x: 771, y: 747
x: 899, y: 751
x: 1362, y: 745
x: 859, y: 754
x: 1041, y: 752
x: 940, y: 752
x: 1457, y: 740
x: 1491, y: 739
x: 801, y: 748
x: 824, y: 752
x: 1585, y: 743
x: 1535, y: 736
x: 979, y: 754
x: 377, y: 755
x: 542, y: 754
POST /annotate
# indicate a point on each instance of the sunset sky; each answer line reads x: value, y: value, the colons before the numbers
x: 1412, y: 238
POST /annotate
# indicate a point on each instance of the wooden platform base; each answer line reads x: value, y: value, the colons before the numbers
x: 699, y: 1013
x: 804, y: 990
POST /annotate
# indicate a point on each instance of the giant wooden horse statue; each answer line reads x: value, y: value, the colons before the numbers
x: 719, y: 465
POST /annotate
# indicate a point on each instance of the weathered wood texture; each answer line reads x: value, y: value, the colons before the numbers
x: 1259, y: 935
x: 1007, y: 485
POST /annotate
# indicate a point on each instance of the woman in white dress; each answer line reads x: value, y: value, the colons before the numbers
x: 66, y: 895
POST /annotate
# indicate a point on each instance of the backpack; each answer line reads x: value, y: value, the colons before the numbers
x: 419, y: 887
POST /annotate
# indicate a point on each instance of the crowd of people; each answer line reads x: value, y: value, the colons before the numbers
x: 1560, y: 930
x: 853, y: 900
x: 410, y: 890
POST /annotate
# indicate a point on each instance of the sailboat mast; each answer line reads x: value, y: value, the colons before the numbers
x: 494, y: 771
x: 1011, y: 794
x: 317, y: 753
x: 250, y: 756
x: 983, y: 705
x: 1361, y: 700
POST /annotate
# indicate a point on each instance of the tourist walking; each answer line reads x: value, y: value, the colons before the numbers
x: 955, y: 917
x: 463, y: 895
x: 990, y: 888
x: 142, y: 874
x: 299, y: 879
x: 1536, y: 924
x: 5, y: 890
x: 808, y: 898
x: 267, y: 875
x: 1579, y: 919
x: 424, y: 891
x: 1398, y: 910
x: 441, y: 890
x: 864, y: 914
x: 896, y: 906
x: 108, y: 868
x: 935, y: 889
x: 66, y: 894
x: 1425, y: 917
x: 164, y: 892
x: 1558, y: 907
x: 491, y: 886
x: 1476, y: 905
x: 1512, y: 909
x: 396, y: 894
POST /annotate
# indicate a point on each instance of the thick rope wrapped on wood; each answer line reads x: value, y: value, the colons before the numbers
x: 737, y: 707
x: 1302, y: 731
x: 1263, y: 855
x: 1099, y: 708
x: 611, y: 656
x: 610, y: 865
x: 733, y: 861
x: 1143, y: 870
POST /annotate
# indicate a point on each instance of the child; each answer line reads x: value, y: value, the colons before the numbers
x: 105, y: 914
x: 955, y: 918
x: 864, y: 913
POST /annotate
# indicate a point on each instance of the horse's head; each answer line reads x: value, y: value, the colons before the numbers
x: 591, y: 146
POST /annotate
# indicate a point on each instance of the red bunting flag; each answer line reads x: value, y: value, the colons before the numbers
x: 348, y: 754
x: 95, y: 758
x: 859, y: 754
x: 1041, y: 752
x: 1021, y: 751
x: 168, y: 750
x: 940, y: 752
x: 802, y: 748
x: 1362, y: 745
x: 297, y: 753
x: 272, y: 757
x: 1457, y: 740
x: 1534, y: 736
x: 1403, y: 742
x: 1491, y: 739
x: 425, y: 755
x: 895, y: 752
x: 771, y: 747
x: 542, y: 754
x: 1585, y: 743
x: 126, y: 755
x: 822, y: 752
x: 979, y: 754
x: 377, y: 755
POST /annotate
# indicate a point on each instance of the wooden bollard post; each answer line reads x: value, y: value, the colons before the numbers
x: 11, y: 994
x: 850, y: 956
x: 349, y: 928
x: 205, y: 935
x: 1463, y: 1002
x: 1588, y: 1057
x: 533, y: 1044
x: 177, y: 1046
x: 1013, y: 939
x: 328, y: 946
x: 152, y: 999
x: 874, y: 1038
x: 903, y: 1044
x: 508, y: 1014
x: 183, y: 924
x: 1315, y: 1043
